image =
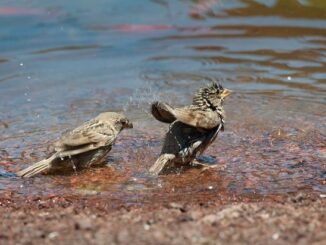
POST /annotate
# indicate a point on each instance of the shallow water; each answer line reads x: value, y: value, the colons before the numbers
x: 63, y: 63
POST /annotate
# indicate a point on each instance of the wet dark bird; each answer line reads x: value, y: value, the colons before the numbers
x: 192, y: 128
x: 83, y: 147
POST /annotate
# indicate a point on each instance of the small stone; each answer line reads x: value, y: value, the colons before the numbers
x: 85, y: 224
x: 147, y: 227
x: 179, y: 206
x: 185, y: 218
x: 43, y: 214
x: 150, y: 222
x: 210, y: 219
x: 276, y: 236
x: 53, y: 235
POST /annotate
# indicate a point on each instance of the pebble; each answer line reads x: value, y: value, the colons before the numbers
x: 84, y: 223
x: 147, y: 227
x: 175, y: 205
x: 276, y: 236
x: 53, y: 235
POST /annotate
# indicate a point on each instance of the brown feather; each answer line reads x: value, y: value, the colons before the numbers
x: 198, y: 119
x: 85, y: 146
x: 162, y: 112
x: 193, y: 128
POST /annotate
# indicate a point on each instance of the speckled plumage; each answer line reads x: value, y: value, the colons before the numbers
x: 192, y: 128
x: 83, y: 147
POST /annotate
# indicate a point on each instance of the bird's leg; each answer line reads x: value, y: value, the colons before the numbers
x: 73, y: 165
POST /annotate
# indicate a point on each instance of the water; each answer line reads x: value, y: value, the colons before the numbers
x: 62, y: 63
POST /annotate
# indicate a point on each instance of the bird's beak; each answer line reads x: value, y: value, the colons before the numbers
x: 225, y: 93
x: 129, y: 125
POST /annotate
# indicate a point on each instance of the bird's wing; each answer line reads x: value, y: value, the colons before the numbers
x: 95, y: 132
x: 211, y: 137
x: 197, y: 118
x: 163, y: 112
x: 200, y: 143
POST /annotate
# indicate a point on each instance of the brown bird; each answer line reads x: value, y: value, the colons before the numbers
x: 193, y: 128
x: 85, y: 146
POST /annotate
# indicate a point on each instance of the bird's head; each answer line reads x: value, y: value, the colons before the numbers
x: 126, y: 123
x: 211, y: 97
x: 118, y: 119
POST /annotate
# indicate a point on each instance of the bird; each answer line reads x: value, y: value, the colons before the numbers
x: 83, y: 147
x: 192, y: 128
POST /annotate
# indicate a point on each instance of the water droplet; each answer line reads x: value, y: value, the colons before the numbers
x: 21, y: 64
x: 210, y: 187
x: 289, y: 78
x: 29, y: 100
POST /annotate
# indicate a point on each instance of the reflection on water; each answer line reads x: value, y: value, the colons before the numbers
x: 62, y: 63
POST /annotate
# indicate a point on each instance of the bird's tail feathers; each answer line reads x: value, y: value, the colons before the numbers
x: 163, y: 112
x: 36, y: 168
x: 160, y: 163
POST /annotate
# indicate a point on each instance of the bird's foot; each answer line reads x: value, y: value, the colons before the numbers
x: 61, y: 156
x: 73, y: 166
x: 207, y: 167
x: 203, y: 167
